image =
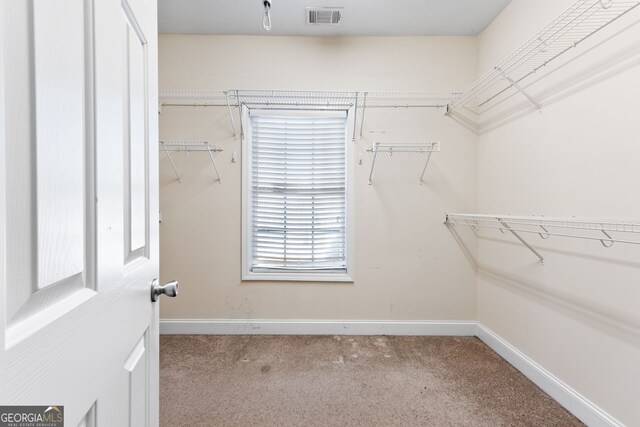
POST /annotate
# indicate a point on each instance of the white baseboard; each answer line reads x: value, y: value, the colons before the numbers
x: 573, y: 401
x: 315, y: 327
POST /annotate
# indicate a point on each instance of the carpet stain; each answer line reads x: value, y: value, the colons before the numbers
x: 410, y: 381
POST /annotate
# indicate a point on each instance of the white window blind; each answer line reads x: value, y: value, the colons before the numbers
x: 298, y: 193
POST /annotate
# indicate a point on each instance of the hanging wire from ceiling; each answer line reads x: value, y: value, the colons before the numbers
x: 266, y: 18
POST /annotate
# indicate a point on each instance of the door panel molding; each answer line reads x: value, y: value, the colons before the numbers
x: 137, y: 367
x: 89, y: 420
x: 59, y: 137
x: 50, y: 165
x: 22, y: 330
x: 136, y: 139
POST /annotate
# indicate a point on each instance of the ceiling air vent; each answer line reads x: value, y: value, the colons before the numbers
x: 324, y: 15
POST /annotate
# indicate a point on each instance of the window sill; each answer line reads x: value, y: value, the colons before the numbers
x: 297, y: 277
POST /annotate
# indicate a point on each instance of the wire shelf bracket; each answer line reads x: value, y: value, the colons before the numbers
x: 187, y: 147
x: 421, y: 148
x: 601, y: 230
x: 233, y: 124
x: 520, y: 89
x: 580, y: 21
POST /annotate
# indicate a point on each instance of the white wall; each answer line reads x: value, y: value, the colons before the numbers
x: 407, y: 264
x: 577, y: 315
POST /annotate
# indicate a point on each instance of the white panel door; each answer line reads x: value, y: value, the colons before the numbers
x: 79, y: 209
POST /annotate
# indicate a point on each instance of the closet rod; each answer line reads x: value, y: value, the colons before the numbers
x: 546, y: 227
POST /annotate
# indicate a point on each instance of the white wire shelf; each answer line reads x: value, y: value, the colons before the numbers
x: 194, y: 98
x: 282, y: 99
x: 262, y: 98
x: 289, y: 99
x: 188, y: 146
x: 405, y: 147
x: 583, y: 19
x: 427, y: 148
x: 193, y: 149
x: 605, y: 231
x: 405, y: 99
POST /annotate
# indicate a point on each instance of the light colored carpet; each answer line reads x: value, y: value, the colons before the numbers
x: 345, y: 381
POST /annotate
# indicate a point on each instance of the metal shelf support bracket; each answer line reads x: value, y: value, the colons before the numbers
x: 233, y: 124
x: 173, y: 165
x: 524, y: 242
x: 520, y: 89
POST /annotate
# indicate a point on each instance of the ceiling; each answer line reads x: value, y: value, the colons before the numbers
x: 359, y: 17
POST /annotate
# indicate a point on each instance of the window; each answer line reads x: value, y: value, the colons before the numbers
x: 296, y: 205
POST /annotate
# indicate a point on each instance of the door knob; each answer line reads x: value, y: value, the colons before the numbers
x: 170, y: 289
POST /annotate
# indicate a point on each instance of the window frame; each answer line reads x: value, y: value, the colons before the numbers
x: 247, y: 234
